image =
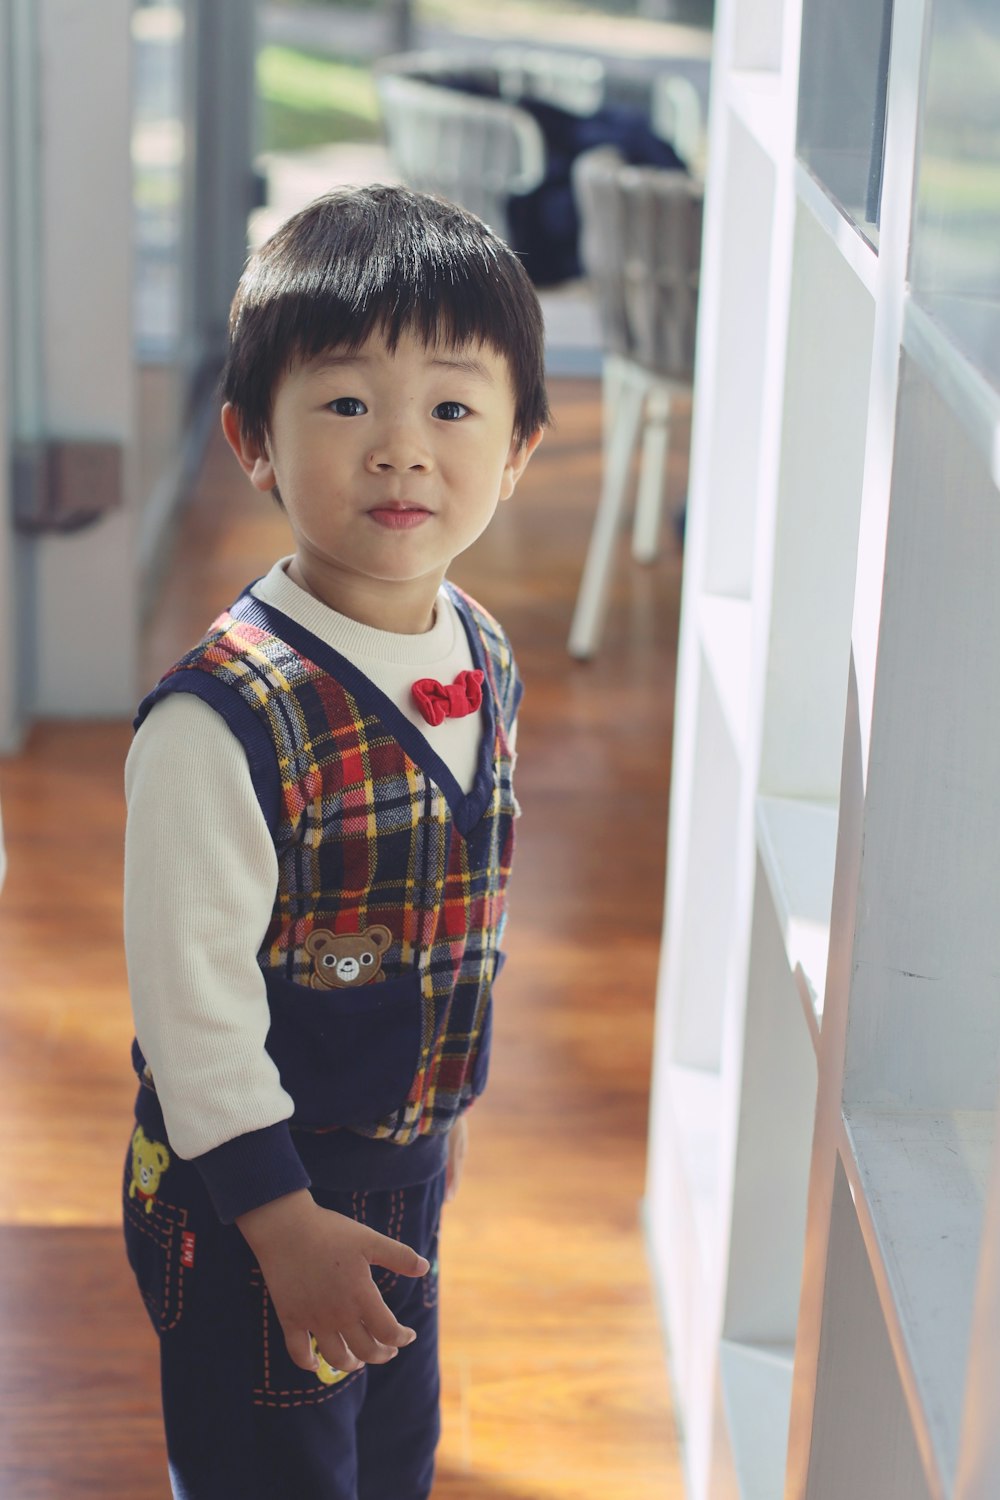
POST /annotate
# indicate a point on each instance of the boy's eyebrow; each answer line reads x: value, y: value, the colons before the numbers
x: 467, y: 363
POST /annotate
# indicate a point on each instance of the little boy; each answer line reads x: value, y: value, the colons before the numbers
x: 319, y: 838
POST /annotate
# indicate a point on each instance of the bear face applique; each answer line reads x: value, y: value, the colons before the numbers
x: 347, y: 960
x: 150, y: 1160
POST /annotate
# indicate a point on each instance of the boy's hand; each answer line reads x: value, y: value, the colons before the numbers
x: 458, y: 1144
x: 317, y: 1266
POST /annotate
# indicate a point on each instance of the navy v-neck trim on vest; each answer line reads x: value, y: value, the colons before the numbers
x: 467, y: 808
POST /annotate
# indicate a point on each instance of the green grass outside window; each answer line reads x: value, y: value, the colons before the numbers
x: 311, y: 100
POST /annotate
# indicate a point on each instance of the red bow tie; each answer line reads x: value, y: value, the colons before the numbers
x: 437, y: 702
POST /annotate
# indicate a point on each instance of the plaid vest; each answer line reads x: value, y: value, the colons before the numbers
x: 381, y: 856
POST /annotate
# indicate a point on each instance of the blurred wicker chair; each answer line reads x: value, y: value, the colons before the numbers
x: 477, y: 151
x: 573, y: 82
x: 641, y: 250
x: 675, y: 113
x: 453, y: 126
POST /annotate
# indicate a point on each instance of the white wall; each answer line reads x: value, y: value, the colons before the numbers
x: 86, y: 583
x: 70, y: 603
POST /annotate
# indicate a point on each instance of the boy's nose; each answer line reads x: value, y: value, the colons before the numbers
x: 400, y: 449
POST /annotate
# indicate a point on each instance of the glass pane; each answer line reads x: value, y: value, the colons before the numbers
x: 842, y: 87
x: 955, y: 268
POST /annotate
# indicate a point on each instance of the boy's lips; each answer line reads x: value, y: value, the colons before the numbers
x: 397, y: 515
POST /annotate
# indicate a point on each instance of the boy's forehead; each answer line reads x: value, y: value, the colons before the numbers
x: 471, y: 357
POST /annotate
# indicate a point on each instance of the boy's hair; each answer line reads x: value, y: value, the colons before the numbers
x: 381, y: 260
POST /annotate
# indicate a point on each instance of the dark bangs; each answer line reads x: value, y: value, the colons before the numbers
x: 381, y: 260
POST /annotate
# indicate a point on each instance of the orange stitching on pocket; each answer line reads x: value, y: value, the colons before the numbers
x: 166, y: 1284
x: 257, y: 1278
x: 264, y: 1395
x: 162, y: 1226
x: 394, y: 1230
x: 266, y: 1398
x: 139, y: 1221
x: 386, y: 1280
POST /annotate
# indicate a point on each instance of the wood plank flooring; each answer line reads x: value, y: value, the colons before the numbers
x: 554, y: 1379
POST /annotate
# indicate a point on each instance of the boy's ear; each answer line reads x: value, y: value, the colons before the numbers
x: 252, y: 457
x: 517, y: 462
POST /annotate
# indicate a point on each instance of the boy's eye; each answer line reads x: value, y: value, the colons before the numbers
x: 348, y: 406
x: 450, y: 411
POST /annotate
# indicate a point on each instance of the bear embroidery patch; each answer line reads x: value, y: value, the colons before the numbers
x: 348, y: 960
x: 150, y: 1160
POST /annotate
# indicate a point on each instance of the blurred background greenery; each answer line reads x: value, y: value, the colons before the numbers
x: 308, y: 99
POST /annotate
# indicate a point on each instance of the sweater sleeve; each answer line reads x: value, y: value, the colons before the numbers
x: 200, y: 877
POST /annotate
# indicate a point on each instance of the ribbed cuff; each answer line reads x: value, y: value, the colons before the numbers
x: 252, y: 1169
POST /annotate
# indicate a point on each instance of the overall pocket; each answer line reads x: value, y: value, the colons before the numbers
x: 158, y: 1243
x: 348, y: 1056
x: 410, y: 1215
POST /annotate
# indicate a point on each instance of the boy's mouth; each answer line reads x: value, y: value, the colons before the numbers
x: 397, y: 515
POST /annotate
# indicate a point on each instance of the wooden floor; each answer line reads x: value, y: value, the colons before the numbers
x: 554, y: 1378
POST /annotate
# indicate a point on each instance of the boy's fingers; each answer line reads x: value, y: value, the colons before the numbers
x: 336, y: 1353
x: 361, y: 1342
x: 380, y: 1322
x: 300, y: 1350
x: 396, y: 1257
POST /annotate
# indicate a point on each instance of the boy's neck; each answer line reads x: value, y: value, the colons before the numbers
x: 402, y: 608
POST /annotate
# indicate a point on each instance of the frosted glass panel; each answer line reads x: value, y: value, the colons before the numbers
x: 955, y: 271
x: 842, y: 91
x: 757, y: 29
x: 709, y: 890
x: 816, y: 533
x: 739, y: 374
x: 925, y: 1023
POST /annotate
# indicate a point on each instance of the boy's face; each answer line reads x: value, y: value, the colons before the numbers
x: 388, y: 466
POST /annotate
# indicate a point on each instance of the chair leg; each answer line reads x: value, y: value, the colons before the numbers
x: 588, y: 615
x: 652, y: 475
x: 613, y: 376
